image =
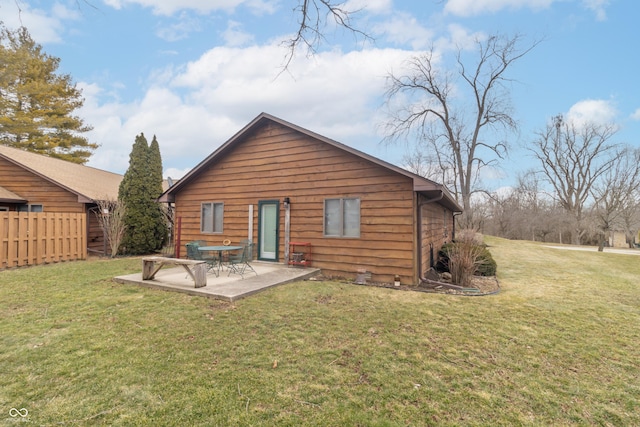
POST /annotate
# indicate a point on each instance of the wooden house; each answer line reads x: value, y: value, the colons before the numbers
x: 277, y: 184
x: 32, y: 182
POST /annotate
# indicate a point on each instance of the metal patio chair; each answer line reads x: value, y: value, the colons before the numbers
x: 194, y: 253
x: 241, y: 262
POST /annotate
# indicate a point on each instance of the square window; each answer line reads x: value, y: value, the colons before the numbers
x: 211, y: 217
x: 342, y: 217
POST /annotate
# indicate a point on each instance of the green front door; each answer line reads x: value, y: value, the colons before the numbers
x: 268, y: 230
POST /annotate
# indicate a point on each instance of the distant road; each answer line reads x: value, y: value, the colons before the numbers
x: 595, y: 249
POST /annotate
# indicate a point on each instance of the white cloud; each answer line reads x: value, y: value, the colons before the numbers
x: 263, y: 7
x: 404, y: 29
x: 476, y: 7
x: 44, y: 26
x: 636, y: 115
x: 175, y: 174
x: 169, y: 7
x: 195, y: 108
x: 459, y: 37
x: 595, y: 111
x: 179, y: 30
x: 598, y: 7
x: 370, y: 6
x: 235, y: 36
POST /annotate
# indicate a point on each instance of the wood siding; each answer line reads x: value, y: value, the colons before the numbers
x: 275, y: 162
x: 436, y: 230
x: 53, y: 198
x: 96, y: 242
x: 38, y: 190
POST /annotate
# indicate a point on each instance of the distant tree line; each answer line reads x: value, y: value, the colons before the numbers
x: 584, y: 189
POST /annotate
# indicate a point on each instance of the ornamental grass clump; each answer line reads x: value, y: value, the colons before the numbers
x: 465, y: 258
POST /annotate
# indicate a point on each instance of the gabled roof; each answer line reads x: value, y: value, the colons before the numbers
x: 7, y: 196
x: 422, y: 185
x: 89, y: 184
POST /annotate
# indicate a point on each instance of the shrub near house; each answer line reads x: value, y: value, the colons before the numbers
x: 468, y: 256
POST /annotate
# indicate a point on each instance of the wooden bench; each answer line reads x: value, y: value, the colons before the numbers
x: 196, y: 269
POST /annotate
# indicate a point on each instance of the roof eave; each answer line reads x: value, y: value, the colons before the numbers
x: 420, y: 184
x: 83, y: 199
x: 167, y: 198
x: 437, y: 191
x: 13, y: 201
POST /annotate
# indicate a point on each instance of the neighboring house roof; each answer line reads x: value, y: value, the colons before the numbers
x: 90, y: 184
x: 7, y: 196
x: 422, y: 185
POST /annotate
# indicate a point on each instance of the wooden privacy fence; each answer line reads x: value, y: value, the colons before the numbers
x: 40, y: 238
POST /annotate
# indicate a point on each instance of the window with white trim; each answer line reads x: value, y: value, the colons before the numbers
x: 211, y: 216
x: 342, y: 217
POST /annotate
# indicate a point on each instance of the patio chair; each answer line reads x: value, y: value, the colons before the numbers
x: 241, y: 262
x: 194, y: 253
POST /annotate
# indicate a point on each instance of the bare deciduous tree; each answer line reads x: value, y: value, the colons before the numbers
x: 572, y: 160
x: 455, y: 127
x: 314, y: 17
x: 110, y: 214
x: 630, y: 219
x: 432, y: 166
x: 616, y: 192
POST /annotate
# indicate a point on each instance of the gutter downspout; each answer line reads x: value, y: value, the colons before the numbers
x: 287, y: 231
x: 453, y: 226
x: 420, y: 205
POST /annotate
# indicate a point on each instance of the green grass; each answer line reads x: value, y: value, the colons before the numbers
x: 557, y: 346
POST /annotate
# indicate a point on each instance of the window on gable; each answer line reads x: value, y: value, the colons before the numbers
x: 211, y: 216
x: 342, y: 217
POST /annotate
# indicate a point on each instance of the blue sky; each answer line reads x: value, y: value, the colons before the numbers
x: 194, y: 72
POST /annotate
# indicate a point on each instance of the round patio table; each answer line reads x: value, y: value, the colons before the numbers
x: 220, y: 249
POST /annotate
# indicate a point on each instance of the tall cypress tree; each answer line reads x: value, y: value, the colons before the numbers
x: 155, y: 179
x: 140, y: 186
x: 155, y: 166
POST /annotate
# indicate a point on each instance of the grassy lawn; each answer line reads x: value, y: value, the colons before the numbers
x: 559, y: 345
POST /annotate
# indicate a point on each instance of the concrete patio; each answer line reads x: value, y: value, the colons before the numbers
x: 228, y: 288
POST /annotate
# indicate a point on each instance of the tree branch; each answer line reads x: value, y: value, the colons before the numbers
x: 314, y: 15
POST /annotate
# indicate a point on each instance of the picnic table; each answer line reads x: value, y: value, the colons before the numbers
x: 195, y: 268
